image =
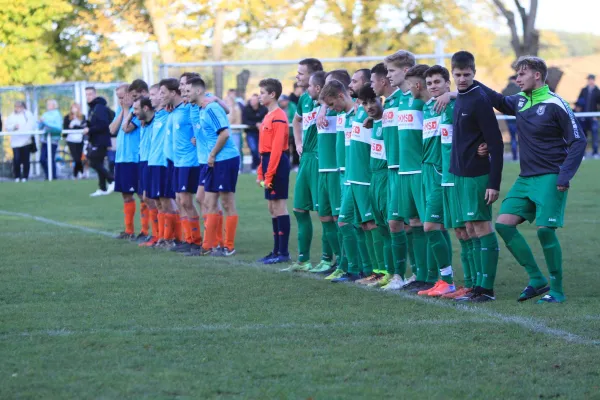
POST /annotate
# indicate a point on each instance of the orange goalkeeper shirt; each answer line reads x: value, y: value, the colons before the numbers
x: 273, y: 139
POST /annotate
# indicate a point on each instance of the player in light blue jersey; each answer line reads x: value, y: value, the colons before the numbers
x: 222, y: 172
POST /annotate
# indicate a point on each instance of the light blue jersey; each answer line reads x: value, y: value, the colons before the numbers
x: 184, y: 150
x: 213, y: 120
x: 145, y: 140
x: 168, y: 143
x: 128, y: 144
x: 156, y: 156
x: 201, y: 145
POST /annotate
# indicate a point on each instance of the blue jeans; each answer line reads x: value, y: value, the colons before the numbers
x: 252, y: 140
x: 44, y: 159
x: 512, y: 128
x: 591, y: 124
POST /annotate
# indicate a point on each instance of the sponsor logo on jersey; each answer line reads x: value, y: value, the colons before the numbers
x: 521, y: 103
x: 430, y: 124
x: 405, y: 118
x: 309, y: 119
x: 159, y: 124
x: 541, y: 109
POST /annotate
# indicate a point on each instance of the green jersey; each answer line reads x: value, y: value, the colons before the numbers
x: 308, y: 111
x: 432, y: 145
x: 326, y: 138
x: 378, y: 160
x: 446, y: 139
x: 389, y: 123
x: 347, y: 136
x: 358, y: 172
x: 410, y: 132
x: 340, y: 142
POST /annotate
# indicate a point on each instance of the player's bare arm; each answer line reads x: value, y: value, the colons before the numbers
x: 223, y: 136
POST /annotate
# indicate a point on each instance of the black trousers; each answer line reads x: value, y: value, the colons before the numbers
x: 21, y: 158
x: 96, y: 156
x: 76, y: 150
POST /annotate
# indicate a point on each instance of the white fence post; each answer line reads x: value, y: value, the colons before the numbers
x: 439, y: 52
x: 49, y: 152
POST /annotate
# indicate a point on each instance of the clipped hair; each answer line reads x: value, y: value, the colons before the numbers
x: 333, y: 88
x: 341, y: 75
x: 463, y: 60
x: 401, y: 59
x: 171, y: 84
x: 366, y: 74
x: 145, y: 102
x: 271, y: 85
x: 379, y: 70
x: 438, y: 70
x: 366, y: 93
x: 312, y: 64
x: 533, y: 63
x: 189, y: 75
x: 418, y: 71
x: 196, y: 82
x: 138, y: 86
x: 318, y: 78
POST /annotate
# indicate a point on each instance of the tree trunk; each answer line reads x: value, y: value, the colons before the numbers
x: 161, y: 30
x: 217, y: 51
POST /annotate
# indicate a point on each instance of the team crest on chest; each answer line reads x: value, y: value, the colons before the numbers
x: 410, y: 102
x: 378, y: 133
x: 521, y: 103
x: 541, y: 109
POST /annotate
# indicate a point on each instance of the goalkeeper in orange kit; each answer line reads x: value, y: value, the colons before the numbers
x: 274, y: 169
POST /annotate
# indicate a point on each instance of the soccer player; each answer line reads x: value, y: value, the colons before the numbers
x: 127, y: 157
x: 477, y: 178
x: 551, y: 147
x: 274, y: 169
x: 397, y: 65
x: 145, y: 146
x: 221, y: 174
x: 307, y: 182
x: 438, y: 239
x: 185, y: 161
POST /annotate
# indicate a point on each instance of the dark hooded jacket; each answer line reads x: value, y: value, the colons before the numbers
x: 98, y: 122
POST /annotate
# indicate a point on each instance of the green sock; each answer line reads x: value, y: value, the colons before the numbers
x: 363, y: 251
x: 388, y: 257
x: 327, y: 251
x: 305, y: 233
x: 449, y: 243
x: 343, y: 261
x: 350, y: 248
x: 330, y: 232
x: 464, y: 259
x: 410, y: 253
x: 476, y: 253
x: 518, y: 247
x: 378, y: 251
x: 553, y: 256
x: 439, y: 248
x: 432, y: 266
x: 489, y: 259
x: 368, y: 269
x: 420, y: 252
x: 399, y: 251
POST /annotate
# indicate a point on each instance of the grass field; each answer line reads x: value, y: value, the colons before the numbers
x: 84, y: 316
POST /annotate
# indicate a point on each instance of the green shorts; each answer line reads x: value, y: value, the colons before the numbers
x: 379, y: 196
x: 356, y: 205
x: 434, y: 194
x: 452, y: 218
x: 393, y: 201
x: 306, y: 191
x: 412, y: 196
x: 472, y: 205
x: 536, y: 198
x: 330, y: 196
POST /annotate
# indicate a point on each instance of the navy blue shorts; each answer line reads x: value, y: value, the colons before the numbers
x: 202, y: 174
x: 147, y: 179
x: 171, y: 177
x: 223, y: 176
x: 281, y: 180
x: 126, y: 177
x: 159, y: 183
x: 142, y: 175
x: 187, y: 179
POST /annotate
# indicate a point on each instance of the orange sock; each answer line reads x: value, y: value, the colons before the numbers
x: 170, y: 223
x: 161, y: 225
x: 187, y: 229
x: 154, y: 220
x: 178, y: 228
x: 210, y: 233
x: 231, y: 224
x: 129, y: 211
x: 195, y: 230
x: 219, y: 237
x: 144, y: 218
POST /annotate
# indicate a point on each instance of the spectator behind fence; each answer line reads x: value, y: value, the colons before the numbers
x: 235, y: 118
x: 509, y: 90
x: 296, y: 93
x: 253, y: 115
x: 99, y: 118
x: 50, y: 122
x: 21, y: 120
x: 589, y: 101
x: 290, y: 110
x: 75, y: 120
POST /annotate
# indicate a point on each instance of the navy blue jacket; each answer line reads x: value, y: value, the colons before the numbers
x: 551, y: 140
x: 98, y: 122
x: 475, y: 123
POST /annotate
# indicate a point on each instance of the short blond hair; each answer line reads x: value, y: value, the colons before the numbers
x: 401, y: 59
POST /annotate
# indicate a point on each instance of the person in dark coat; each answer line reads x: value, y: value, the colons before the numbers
x: 589, y: 101
x: 253, y: 115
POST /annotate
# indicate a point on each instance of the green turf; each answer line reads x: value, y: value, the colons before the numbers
x: 84, y: 316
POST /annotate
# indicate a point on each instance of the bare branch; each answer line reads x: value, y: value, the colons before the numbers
x: 510, y: 19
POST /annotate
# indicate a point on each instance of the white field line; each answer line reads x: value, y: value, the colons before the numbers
x: 525, y: 322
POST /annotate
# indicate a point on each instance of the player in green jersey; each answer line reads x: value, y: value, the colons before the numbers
x: 307, y: 181
x: 404, y: 239
x: 438, y: 239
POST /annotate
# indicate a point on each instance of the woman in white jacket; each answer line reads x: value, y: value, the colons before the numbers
x: 21, y: 120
